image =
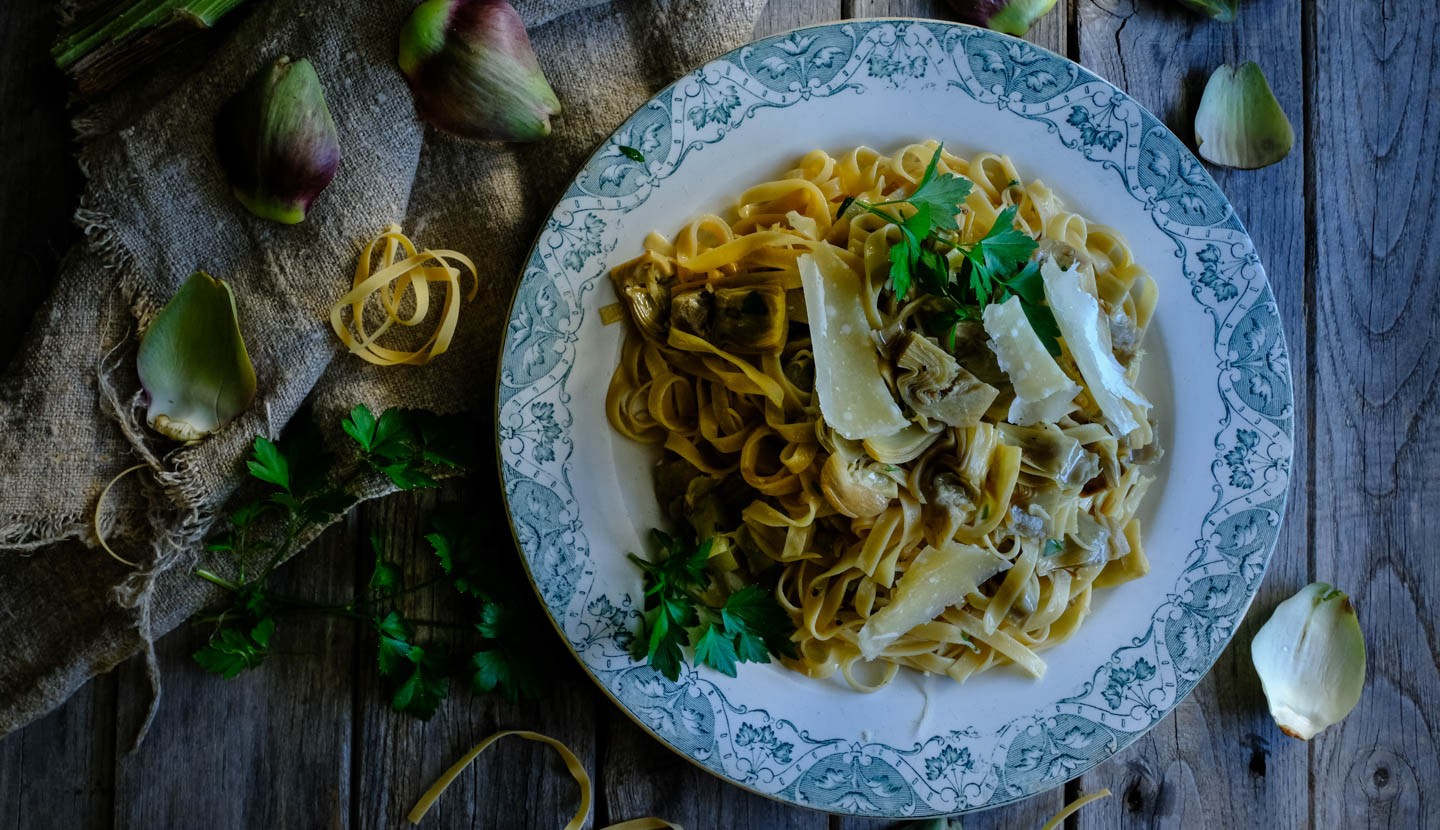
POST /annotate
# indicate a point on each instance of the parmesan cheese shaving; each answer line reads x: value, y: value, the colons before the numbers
x: 414, y: 272
x: 853, y: 396
x: 572, y: 764
x: 1043, y: 392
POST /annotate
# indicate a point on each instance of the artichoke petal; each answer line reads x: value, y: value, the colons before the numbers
x: 1013, y: 17
x: 1310, y: 656
x: 193, y: 363
x: 277, y: 142
x: 1239, y: 123
x: 473, y: 72
x: 1221, y: 10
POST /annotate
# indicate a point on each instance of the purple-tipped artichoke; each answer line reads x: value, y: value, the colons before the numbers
x: 1013, y: 17
x: 473, y: 72
x: 277, y: 142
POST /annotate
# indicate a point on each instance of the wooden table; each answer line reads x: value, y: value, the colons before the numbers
x: 1345, y: 229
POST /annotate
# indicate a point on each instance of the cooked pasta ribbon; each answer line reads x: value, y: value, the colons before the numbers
x: 941, y: 504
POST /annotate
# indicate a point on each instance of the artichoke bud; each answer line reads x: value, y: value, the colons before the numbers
x: 277, y: 142
x: 1310, y: 656
x: 1013, y: 17
x: 473, y: 73
x: 193, y: 364
x: 1239, y: 123
x: 1221, y: 10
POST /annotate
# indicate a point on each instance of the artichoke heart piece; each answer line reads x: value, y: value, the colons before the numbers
x: 277, y: 142
x: 744, y: 320
x: 854, y: 487
x: 473, y: 72
x: 1239, y: 122
x: 644, y: 284
x: 936, y: 387
x: 193, y: 364
x: 1310, y: 656
x: 1047, y: 451
x: 940, y: 577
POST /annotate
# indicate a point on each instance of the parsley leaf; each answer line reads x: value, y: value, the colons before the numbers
x: 993, y: 269
x: 631, y: 153
x: 268, y: 464
x: 940, y: 195
x: 748, y: 627
x: 233, y: 648
x: 498, y: 670
x: 386, y: 577
x: 716, y: 650
x: 427, y: 684
x: 360, y: 426
x: 755, y: 611
x: 1004, y: 248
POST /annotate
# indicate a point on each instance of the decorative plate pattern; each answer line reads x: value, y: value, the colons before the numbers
x: 579, y: 497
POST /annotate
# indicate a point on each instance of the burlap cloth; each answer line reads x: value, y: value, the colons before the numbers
x: 157, y: 208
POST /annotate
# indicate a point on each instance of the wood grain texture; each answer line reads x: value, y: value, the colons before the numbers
x: 1220, y: 740
x: 1375, y: 75
x: 516, y: 783
x: 270, y: 748
x: 309, y: 741
x: 58, y: 772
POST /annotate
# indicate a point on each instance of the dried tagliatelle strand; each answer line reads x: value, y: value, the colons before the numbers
x: 100, y: 504
x: 572, y: 764
x: 1074, y: 807
x: 396, y: 276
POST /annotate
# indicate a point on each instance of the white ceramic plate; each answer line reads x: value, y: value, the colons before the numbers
x: 580, y: 496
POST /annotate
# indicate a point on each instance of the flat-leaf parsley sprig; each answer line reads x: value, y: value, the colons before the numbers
x: 993, y: 269
x: 747, y: 627
x: 296, y: 494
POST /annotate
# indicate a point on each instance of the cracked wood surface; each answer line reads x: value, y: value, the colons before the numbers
x: 307, y: 741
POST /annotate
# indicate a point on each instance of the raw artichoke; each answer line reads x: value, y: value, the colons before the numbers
x: 473, y: 73
x: 277, y: 142
x: 1239, y: 123
x: 1221, y: 10
x: 1310, y: 656
x: 193, y: 364
x: 1013, y: 17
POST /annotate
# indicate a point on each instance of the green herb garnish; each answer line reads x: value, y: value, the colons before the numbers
x: 631, y: 153
x: 297, y: 492
x: 992, y: 270
x: 747, y: 628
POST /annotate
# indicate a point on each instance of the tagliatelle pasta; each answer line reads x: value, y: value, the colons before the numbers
x: 923, y: 484
x: 413, y: 273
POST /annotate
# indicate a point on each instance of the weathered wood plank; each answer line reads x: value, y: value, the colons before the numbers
x: 1051, y: 31
x: 59, y: 771
x: 1219, y: 760
x: 515, y: 784
x: 1375, y: 76
x: 782, y: 15
x: 270, y: 748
